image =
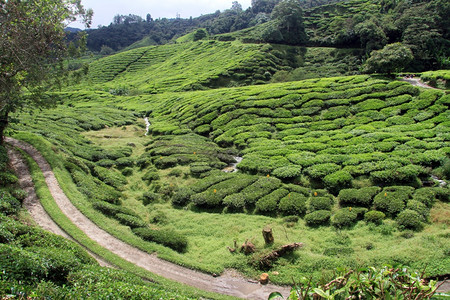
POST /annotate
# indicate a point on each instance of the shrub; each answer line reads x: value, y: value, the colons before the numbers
x: 235, y: 202
x: 320, y: 203
x: 127, y: 172
x: 374, y: 216
x: 8, y: 204
x: 427, y: 196
x: 419, y: 207
x: 319, y: 171
x: 106, y: 163
x: 175, y: 173
x: 151, y: 175
x: 165, y: 162
x: 293, y: 204
x: 132, y: 221
x: 390, y: 203
x: 112, y: 209
x: 287, y: 172
x: 269, y: 203
x: 358, y: 197
x: 150, y: 197
x: 317, y: 218
x: 409, y: 219
x: 182, y: 196
x: 158, y: 217
x: 344, y: 217
x: 337, y: 181
x: 8, y: 178
x: 168, y: 238
x: 260, y: 188
x: 199, y: 170
x: 125, y: 162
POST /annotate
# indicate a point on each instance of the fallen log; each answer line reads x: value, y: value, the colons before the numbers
x: 266, y: 261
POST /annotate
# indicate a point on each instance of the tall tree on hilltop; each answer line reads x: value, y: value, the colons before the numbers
x: 289, y: 16
x: 32, y: 45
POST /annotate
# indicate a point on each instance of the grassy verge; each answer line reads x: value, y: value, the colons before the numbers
x: 56, y: 214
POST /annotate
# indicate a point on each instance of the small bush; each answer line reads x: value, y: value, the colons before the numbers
x: 106, y: 163
x: 8, y: 204
x: 112, y: 209
x: 158, y: 217
x: 182, y: 196
x: 419, y: 207
x: 269, y: 203
x: 427, y: 196
x: 151, y: 175
x: 235, y: 202
x: 125, y: 162
x: 390, y: 203
x: 409, y: 219
x: 345, y: 217
x: 150, y: 197
x: 375, y: 217
x: 127, y: 172
x: 293, y: 204
x: 317, y: 218
x: 175, y: 173
x: 133, y: 222
x: 288, y: 172
x: 165, y: 162
x: 358, y: 197
x: 165, y: 237
x: 320, y: 203
x: 338, y: 180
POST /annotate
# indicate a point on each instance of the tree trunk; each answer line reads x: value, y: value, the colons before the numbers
x: 3, y: 125
x: 268, y: 235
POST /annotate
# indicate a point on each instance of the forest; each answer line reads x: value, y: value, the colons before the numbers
x: 292, y: 150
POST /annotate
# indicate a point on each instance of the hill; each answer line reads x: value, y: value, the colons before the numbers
x: 319, y: 158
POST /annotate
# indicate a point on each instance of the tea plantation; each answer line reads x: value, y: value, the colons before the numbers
x: 349, y: 166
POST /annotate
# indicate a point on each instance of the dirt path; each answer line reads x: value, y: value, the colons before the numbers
x: 230, y: 283
x: 32, y: 204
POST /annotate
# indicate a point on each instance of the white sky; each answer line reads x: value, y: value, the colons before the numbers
x: 105, y: 10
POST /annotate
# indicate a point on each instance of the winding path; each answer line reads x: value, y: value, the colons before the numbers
x: 229, y: 283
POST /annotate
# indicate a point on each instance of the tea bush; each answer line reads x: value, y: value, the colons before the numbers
x: 112, y: 209
x: 336, y: 181
x: 235, y: 202
x: 166, y: 237
x: 132, y: 221
x: 358, y: 197
x: 182, y: 196
x: 390, y: 203
x: 420, y: 208
x: 344, y: 217
x: 318, y: 218
x: 269, y: 203
x: 293, y: 204
x: 409, y: 219
x: 8, y: 204
x: 374, y: 216
x: 319, y: 203
x: 427, y: 196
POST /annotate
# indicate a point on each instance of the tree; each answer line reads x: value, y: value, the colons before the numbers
x: 289, y: 16
x: 392, y: 58
x: 236, y: 6
x: 32, y: 45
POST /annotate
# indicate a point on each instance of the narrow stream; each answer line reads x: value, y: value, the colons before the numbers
x: 233, y: 167
x: 442, y: 183
x: 147, y: 125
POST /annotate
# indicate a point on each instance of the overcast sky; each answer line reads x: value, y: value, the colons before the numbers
x: 105, y: 10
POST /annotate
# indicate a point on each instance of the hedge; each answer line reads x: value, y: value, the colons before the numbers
x: 112, y: 209
x: 182, y: 196
x: 168, y: 238
x: 132, y: 221
x: 338, y: 180
x: 269, y: 203
x: 293, y: 204
x: 358, y: 197
x: 391, y: 203
x: 235, y: 202
x: 374, y: 216
x: 320, y: 203
x: 259, y: 189
x: 344, y: 217
x: 317, y: 218
x: 409, y: 219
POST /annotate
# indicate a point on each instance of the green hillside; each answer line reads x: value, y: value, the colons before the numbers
x: 342, y: 164
x: 212, y: 64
